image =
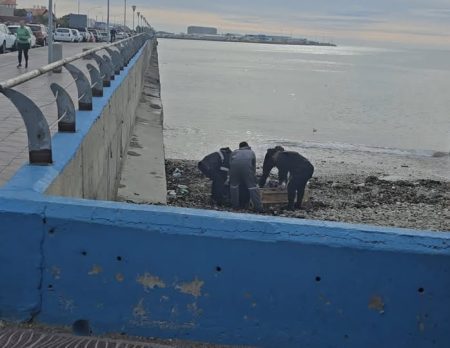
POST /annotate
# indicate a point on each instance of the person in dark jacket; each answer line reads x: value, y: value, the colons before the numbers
x: 216, y: 166
x: 243, y: 172
x: 300, y: 170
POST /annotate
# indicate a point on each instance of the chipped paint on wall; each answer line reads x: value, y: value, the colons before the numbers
x: 376, y: 303
x: 149, y: 282
x: 193, y: 288
x: 96, y: 270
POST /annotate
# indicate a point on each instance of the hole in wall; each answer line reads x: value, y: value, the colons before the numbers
x: 318, y: 279
x: 346, y: 336
x: 119, y: 258
x: 84, y: 253
x: 421, y: 290
x: 50, y: 286
x: 51, y: 231
x: 81, y: 327
x: 218, y: 269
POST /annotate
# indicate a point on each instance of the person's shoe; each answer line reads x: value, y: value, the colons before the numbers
x: 26, y: 65
x: 19, y: 65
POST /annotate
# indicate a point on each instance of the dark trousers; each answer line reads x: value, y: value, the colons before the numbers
x: 23, y: 47
x: 218, y: 178
x: 296, y: 186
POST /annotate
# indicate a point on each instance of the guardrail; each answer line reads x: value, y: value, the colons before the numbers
x: 38, y: 131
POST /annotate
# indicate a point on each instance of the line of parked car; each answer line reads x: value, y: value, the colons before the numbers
x: 84, y: 35
x: 39, y: 35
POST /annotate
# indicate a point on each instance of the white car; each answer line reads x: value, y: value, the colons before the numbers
x: 64, y: 34
x: 13, y: 29
x: 7, y: 39
x: 77, y: 34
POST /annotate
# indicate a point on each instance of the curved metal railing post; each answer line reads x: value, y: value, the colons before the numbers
x: 115, y: 60
x: 66, y: 109
x: 96, y: 80
x: 83, y: 87
x: 38, y: 132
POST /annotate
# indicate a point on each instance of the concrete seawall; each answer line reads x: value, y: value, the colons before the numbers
x: 94, y: 170
x: 204, y: 275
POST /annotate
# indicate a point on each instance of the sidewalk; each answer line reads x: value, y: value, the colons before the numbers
x: 13, y: 138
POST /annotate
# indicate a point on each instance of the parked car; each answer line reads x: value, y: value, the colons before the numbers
x: 64, y: 34
x: 77, y: 34
x: 13, y: 29
x: 40, y: 31
x: 7, y: 39
x: 85, y: 33
x: 104, y: 37
x: 121, y: 35
x: 95, y: 33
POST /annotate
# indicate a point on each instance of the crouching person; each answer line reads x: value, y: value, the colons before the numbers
x: 243, y: 176
x: 216, y: 166
x: 300, y: 170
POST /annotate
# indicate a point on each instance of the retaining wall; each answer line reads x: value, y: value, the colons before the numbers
x: 219, y: 277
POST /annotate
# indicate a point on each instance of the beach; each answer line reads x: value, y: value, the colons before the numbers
x: 335, y: 194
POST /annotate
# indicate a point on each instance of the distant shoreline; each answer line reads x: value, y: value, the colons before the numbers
x: 300, y: 42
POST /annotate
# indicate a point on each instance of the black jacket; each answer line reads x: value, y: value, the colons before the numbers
x: 287, y: 162
x: 217, y: 161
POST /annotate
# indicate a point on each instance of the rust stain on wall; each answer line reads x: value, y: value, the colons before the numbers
x: 376, y: 303
x: 119, y: 277
x: 56, y: 272
x: 96, y: 270
x: 150, y: 282
x: 139, y: 311
x: 193, y: 288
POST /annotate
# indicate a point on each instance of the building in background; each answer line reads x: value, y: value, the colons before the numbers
x: 7, y: 7
x: 9, y: 3
x: 201, y: 30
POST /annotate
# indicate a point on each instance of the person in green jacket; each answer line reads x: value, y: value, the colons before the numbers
x: 23, y: 43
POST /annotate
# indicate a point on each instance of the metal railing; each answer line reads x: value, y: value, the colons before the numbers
x: 38, y: 130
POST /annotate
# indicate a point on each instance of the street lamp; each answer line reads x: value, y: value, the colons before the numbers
x: 107, y: 21
x: 50, y: 28
x: 139, y: 15
x: 125, y: 15
x: 134, y: 9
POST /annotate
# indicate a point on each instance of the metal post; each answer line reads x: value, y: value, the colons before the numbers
x: 107, y: 22
x: 125, y: 15
x: 139, y: 15
x: 134, y: 9
x: 78, y: 6
x: 50, y: 26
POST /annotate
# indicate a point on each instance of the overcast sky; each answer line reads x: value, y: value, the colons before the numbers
x: 370, y: 22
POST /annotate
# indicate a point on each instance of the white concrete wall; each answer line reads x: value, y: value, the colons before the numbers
x: 94, y: 171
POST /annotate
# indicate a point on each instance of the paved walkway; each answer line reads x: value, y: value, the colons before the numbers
x: 13, y: 137
x: 23, y: 338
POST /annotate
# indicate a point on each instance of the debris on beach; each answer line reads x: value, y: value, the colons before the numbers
x: 369, y: 199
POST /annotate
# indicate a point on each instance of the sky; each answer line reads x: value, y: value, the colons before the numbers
x: 406, y: 23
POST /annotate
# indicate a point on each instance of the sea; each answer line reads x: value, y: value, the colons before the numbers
x: 361, y: 99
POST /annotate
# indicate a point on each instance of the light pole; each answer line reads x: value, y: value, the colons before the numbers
x: 50, y: 27
x: 134, y: 9
x: 107, y: 21
x: 78, y: 6
x: 139, y: 15
x: 125, y: 15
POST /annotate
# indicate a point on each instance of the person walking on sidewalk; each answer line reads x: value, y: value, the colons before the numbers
x: 243, y: 172
x: 23, y: 43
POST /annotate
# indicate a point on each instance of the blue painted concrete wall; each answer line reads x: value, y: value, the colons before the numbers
x: 229, y: 278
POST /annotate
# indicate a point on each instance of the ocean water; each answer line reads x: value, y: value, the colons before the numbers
x: 393, y: 101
